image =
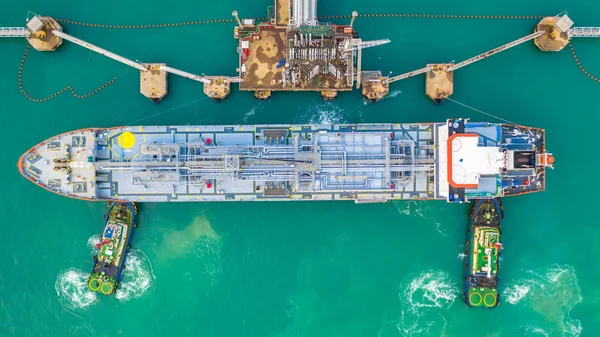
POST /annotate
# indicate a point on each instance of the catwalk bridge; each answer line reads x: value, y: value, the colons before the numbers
x: 306, y: 42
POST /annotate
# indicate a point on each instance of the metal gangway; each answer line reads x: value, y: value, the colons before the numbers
x: 99, y: 50
x: 584, y: 32
x: 197, y: 78
x: 408, y: 75
x: 14, y: 32
x: 185, y: 74
x: 495, y: 51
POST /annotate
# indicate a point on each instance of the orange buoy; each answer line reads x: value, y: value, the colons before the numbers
x: 547, y: 159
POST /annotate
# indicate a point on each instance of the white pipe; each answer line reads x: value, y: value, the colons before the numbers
x: 99, y: 50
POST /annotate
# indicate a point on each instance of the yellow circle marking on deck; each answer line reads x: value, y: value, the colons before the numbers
x: 94, y: 284
x: 106, y: 288
x: 486, y: 298
x: 126, y: 140
x: 473, y: 302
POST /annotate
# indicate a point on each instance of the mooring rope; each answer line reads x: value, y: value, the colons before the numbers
x: 482, y: 112
x: 169, y: 110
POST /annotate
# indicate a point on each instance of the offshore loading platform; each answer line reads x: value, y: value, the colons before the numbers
x: 454, y: 161
x: 294, y: 51
x: 291, y: 50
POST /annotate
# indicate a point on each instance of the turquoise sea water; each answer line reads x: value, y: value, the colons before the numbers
x: 301, y: 269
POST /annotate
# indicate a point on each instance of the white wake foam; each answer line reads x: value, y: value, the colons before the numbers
x: 321, y: 113
x: 393, y: 94
x: 72, y: 290
x: 92, y: 241
x: 431, y: 292
x: 252, y: 112
x: 534, y: 331
x: 552, y: 293
x: 515, y: 293
x: 431, y: 289
x: 137, y: 277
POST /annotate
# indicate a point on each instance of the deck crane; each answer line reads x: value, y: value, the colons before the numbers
x: 357, y: 45
x: 351, y: 45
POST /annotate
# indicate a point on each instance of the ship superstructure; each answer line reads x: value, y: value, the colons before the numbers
x: 455, y: 161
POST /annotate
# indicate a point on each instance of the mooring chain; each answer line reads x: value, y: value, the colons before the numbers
x: 204, y: 22
x: 58, y: 92
x: 435, y: 16
x: 580, y: 66
x: 159, y: 25
x: 191, y: 23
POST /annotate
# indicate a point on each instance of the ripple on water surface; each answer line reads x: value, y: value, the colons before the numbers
x: 72, y: 290
x: 321, y: 113
x: 197, y: 239
x: 74, y: 294
x: 423, y: 301
x: 551, y: 293
x: 137, y: 277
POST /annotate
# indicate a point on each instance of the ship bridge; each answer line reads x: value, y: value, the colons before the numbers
x: 483, y: 160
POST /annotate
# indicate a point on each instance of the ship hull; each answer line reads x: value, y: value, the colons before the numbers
x: 365, y: 163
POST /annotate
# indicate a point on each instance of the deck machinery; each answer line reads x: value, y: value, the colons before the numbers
x: 294, y: 51
x: 454, y: 160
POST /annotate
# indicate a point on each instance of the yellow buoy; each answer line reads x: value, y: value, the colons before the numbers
x: 126, y: 140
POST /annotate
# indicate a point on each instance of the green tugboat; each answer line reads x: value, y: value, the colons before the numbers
x: 482, y: 255
x: 109, y: 261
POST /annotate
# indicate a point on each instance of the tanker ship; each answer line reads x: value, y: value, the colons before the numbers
x: 456, y: 161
